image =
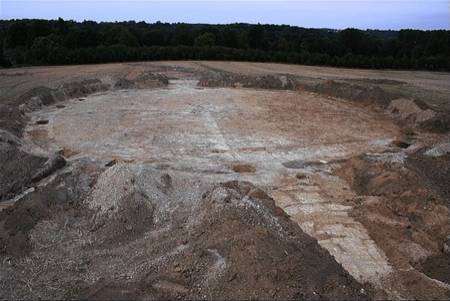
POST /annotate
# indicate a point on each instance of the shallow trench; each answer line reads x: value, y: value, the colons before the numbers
x: 285, y: 142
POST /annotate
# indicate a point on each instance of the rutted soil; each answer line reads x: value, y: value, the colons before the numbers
x: 205, y: 181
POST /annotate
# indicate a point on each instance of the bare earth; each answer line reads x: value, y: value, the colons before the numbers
x: 337, y: 167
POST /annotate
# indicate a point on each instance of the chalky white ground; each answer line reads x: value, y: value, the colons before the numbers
x: 210, y: 132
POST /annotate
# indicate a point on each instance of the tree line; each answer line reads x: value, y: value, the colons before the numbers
x: 56, y: 42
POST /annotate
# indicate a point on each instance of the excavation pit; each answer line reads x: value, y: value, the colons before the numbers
x: 210, y: 130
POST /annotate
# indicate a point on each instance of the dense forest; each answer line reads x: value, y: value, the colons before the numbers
x: 51, y: 42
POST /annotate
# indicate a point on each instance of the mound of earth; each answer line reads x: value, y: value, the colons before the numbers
x: 18, y: 165
x: 160, y: 235
x: 227, y: 79
x: 406, y: 215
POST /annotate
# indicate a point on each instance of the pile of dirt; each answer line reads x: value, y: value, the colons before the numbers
x: 37, y: 97
x: 440, y: 123
x: 61, y: 196
x: 437, y: 267
x: 143, y: 80
x: 409, y: 112
x: 12, y: 119
x: 18, y: 166
x: 407, y: 218
x: 226, y: 79
x: 369, y: 94
x: 82, y: 88
x: 163, y: 236
x: 433, y: 169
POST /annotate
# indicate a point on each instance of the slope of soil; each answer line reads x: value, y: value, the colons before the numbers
x: 163, y: 236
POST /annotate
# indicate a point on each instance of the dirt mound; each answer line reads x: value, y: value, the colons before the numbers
x: 408, y: 112
x: 210, y: 241
x: 143, y: 80
x: 440, y: 123
x: 224, y: 79
x: 437, y: 267
x: 368, y: 94
x: 82, y: 88
x: 60, y: 196
x: 12, y: 119
x: 37, y: 97
x: 433, y: 171
x: 406, y: 217
x: 18, y: 166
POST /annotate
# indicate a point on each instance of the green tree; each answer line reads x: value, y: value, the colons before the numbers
x: 205, y: 40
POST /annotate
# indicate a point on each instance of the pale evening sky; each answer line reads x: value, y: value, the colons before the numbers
x: 363, y: 14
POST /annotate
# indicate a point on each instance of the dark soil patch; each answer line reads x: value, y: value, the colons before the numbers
x: 243, y: 168
x: 42, y: 122
x: 18, y: 167
x: 438, y: 124
x: 300, y: 164
x: 12, y: 119
x: 401, y: 144
x: 437, y: 267
x: 434, y: 172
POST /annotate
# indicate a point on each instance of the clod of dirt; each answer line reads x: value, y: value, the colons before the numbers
x: 243, y: 168
x: 111, y: 163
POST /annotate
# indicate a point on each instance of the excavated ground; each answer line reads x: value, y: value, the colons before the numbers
x: 137, y: 185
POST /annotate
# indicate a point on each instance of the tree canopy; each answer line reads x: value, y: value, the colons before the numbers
x: 48, y: 42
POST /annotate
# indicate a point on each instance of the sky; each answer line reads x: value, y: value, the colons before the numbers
x: 337, y: 14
